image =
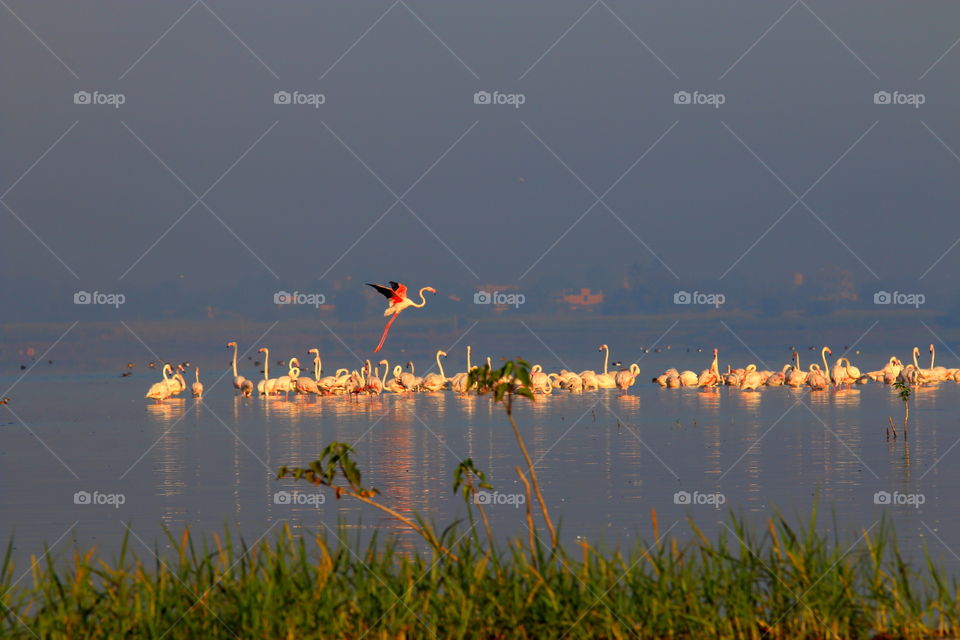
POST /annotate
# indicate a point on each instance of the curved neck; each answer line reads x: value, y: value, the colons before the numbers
x: 397, y: 372
x: 915, y: 352
x: 606, y: 358
x: 234, y: 361
x: 933, y: 354
x: 715, y: 366
x: 423, y: 300
x: 468, y: 357
x: 823, y: 354
x: 166, y: 368
x: 266, y: 364
x: 197, y: 370
x: 440, y: 366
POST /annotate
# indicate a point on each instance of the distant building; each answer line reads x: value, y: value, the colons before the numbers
x: 584, y: 300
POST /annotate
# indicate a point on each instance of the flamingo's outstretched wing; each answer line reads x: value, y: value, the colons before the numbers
x: 386, y: 292
x: 386, y: 330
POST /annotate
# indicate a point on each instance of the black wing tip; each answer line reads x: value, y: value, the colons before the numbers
x: 382, y: 290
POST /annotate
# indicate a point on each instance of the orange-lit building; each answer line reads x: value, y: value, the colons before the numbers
x: 584, y: 300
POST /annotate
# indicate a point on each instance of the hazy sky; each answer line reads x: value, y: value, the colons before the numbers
x: 487, y: 189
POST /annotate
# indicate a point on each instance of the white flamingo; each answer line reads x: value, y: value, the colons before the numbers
x: 238, y: 380
x: 436, y: 381
x: 626, y: 377
x: 605, y: 380
x: 751, y: 378
x: 197, y: 387
x: 161, y: 390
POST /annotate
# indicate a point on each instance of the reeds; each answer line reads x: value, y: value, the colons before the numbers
x: 784, y: 582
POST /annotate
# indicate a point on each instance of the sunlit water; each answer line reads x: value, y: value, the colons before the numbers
x: 604, y: 461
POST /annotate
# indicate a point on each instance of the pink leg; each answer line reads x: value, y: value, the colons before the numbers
x: 386, y: 330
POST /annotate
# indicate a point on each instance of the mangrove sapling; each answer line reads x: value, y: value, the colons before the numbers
x: 903, y: 390
x: 510, y: 380
x: 464, y: 481
x: 335, y: 460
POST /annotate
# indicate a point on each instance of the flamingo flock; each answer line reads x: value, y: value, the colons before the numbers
x: 841, y: 374
x: 403, y: 379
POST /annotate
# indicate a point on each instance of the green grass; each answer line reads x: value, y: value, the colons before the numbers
x: 783, y: 582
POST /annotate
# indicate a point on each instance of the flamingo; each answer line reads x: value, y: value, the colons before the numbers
x: 410, y: 381
x: 374, y: 384
x: 396, y: 293
x: 845, y: 373
x: 459, y: 381
x: 161, y: 390
x: 795, y: 377
x: 732, y: 377
x: 588, y: 380
x: 889, y: 371
x: 710, y: 377
x: 539, y: 381
x: 436, y: 381
x: 177, y: 383
x: 246, y: 389
x: 778, y: 378
x: 197, y: 387
x: 238, y: 380
x: 287, y: 383
x: 393, y: 385
x: 688, y: 378
x: 815, y: 378
x: 605, y: 380
x: 826, y: 351
x: 266, y: 386
x: 936, y: 373
x: 663, y: 377
x: 573, y: 383
x: 626, y: 377
x: 751, y: 378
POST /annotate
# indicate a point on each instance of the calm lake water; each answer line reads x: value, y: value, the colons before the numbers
x: 604, y: 461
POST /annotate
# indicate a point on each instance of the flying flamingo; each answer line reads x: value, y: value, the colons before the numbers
x: 396, y: 293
